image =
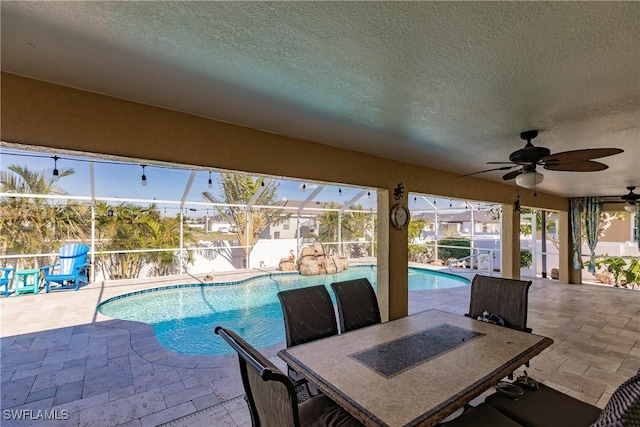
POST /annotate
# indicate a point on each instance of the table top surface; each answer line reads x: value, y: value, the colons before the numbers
x: 413, y: 371
x: 31, y: 271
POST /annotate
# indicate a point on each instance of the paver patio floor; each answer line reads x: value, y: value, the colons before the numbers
x: 58, y: 354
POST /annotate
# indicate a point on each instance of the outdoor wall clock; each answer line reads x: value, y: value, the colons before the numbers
x: 400, y: 216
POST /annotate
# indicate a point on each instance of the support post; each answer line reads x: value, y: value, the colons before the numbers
x: 510, y: 242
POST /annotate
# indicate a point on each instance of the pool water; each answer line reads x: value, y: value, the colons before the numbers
x: 184, y: 317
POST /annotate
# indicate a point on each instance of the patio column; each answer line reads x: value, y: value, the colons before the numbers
x: 510, y: 242
x: 565, y: 255
x: 393, y: 261
x: 382, y: 254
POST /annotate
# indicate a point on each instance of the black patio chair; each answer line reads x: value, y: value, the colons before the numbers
x: 308, y: 316
x: 508, y: 298
x: 357, y: 304
x: 545, y: 407
x: 481, y: 415
x: 271, y: 396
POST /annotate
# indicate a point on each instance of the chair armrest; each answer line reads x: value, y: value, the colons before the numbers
x: 80, y: 267
x: 47, y: 268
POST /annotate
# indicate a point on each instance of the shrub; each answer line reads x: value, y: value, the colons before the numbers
x: 420, y: 253
x: 525, y: 258
x: 446, y: 253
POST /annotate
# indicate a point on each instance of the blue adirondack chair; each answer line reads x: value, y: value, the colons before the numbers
x: 71, y: 271
x: 5, y: 272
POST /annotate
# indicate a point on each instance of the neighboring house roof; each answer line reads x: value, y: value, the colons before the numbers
x: 478, y: 216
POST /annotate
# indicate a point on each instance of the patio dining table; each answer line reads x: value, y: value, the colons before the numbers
x: 413, y: 371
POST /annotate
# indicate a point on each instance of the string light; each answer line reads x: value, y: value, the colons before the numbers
x: 56, y: 173
x: 339, y: 191
x: 369, y: 195
x: 304, y: 187
x: 143, y: 181
x: 210, y: 183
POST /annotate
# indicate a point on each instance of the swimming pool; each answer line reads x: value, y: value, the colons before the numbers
x: 183, y: 316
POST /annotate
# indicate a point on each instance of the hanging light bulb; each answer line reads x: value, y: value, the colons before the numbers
x: 339, y: 191
x: 56, y: 173
x: 369, y: 195
x: 304, y: 187
x: 450, y: 203
x: 210, y: 183
x: 415, y: 200
x: 143, y: 181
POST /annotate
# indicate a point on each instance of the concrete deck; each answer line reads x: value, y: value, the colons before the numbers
x: 59, y: 355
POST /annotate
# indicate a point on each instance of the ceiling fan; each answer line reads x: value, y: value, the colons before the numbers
x: 630, y: 199
x: 528, y: 158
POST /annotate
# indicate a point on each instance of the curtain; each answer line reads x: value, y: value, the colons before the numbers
x: 575, y: 209
x: 592, y: 208
x: 638, y: 224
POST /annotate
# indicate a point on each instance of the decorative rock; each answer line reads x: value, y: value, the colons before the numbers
x: 286, y: 265
x: 555, y: 273
x: 313, y: 261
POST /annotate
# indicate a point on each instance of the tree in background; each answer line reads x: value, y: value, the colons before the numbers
x: 38, y: 225
x: 130, y: 227
x: 239, y: 189
x: 355, y: 226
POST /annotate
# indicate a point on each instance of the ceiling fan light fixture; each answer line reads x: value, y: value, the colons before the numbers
x: 529, y: 179
x: 630, y: 207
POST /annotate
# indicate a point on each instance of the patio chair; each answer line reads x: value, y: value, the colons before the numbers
x: 5, y: 279
x: 481, y: 415
x: 271, y: 396
x: 308, y: 316
x: 508, y: 298
x: 357, y: 304
x: 545, y: 407
x: 71, y: 271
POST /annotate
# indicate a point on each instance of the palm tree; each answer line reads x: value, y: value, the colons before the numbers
x: 126, y: 227
x: 36, y: 225
x: 239, y: 189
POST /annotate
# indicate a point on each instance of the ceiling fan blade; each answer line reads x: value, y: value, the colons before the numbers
x: 500, y: 163
x: 581, y: 155
x: 503, y: 168
x: 511, y: 175
x: 584, y: 166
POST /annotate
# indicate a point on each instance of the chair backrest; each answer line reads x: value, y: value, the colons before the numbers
x: 270, y: 393
x: 357, y: 304
x: 5, y: 272
x: 308, y: 314
x: 508, y: 298
x: 71, y: 256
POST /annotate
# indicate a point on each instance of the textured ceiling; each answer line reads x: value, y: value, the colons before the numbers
x: 448, y: 85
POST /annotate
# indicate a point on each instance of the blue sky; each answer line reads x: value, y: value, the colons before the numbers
x: 123, y: 180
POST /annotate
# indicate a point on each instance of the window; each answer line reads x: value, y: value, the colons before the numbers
x: 276, y: 235
x: 285, y: 224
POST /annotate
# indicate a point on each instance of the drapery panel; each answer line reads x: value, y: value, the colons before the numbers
x: 592, y: 208
x: 638, y: 225
x: 575, y: 211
